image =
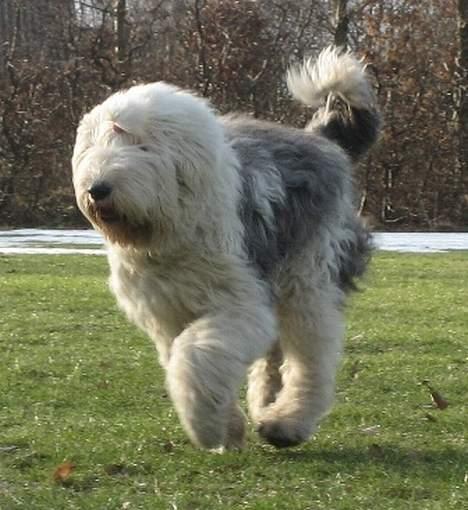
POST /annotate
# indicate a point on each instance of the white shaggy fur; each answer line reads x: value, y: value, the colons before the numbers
x: 334, y: 72
x: 188, y: 227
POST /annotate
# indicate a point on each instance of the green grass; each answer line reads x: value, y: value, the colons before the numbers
x: 80, y: 384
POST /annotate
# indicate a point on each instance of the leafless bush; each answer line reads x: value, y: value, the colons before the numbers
x: 60, y: 57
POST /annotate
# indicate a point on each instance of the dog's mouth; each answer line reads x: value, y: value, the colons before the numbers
x: 107, y: 213
x: 115, y: 225
x: 104, y: 211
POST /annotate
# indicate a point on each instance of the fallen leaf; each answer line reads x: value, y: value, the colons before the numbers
x: 64, y: 471
x: 438, y: 400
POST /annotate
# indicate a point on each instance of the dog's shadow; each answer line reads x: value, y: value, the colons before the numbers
x: 388, y: 457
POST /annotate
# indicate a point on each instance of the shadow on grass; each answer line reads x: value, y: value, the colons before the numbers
x: 389, y: 457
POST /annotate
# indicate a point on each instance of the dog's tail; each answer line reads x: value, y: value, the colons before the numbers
x: 349, y: 116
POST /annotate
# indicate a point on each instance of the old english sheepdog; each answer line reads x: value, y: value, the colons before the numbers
x: 233, y: 242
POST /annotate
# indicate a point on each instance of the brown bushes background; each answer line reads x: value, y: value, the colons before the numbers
x: 60, y: 57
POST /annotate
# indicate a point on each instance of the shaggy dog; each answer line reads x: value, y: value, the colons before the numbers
x: 233, y: 242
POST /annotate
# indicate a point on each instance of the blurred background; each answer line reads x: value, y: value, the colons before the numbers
x: 58, y: 58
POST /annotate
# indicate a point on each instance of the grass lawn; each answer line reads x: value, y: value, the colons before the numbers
x: 79, y: 385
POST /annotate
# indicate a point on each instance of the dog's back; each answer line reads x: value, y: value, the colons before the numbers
x: 297, y: 184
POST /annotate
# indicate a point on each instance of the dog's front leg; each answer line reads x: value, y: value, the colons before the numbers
x: 207, y: 364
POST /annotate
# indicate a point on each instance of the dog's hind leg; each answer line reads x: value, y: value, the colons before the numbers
x: 207, y: 365
x: 311, y: 329
x: 235, y: 437
x: 264, y: 382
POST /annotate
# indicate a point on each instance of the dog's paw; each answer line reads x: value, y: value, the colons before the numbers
x: 218, y: 451
x: 283, y: 434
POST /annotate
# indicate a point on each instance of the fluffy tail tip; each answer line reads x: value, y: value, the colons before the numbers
x: 338, y: 77
x: 335, y: 71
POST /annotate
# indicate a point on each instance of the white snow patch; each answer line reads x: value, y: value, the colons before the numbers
x: 90, y: 242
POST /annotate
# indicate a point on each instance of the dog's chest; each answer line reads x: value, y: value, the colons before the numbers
x: 162, y: 298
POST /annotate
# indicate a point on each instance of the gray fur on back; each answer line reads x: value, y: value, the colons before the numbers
x: 293, y: 185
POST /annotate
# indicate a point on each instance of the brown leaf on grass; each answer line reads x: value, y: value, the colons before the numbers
x: 438, y: 400
x: 63, y: 471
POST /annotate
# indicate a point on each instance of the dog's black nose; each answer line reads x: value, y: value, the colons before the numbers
x: 99, y: 191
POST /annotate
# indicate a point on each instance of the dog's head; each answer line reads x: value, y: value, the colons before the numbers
x: 141, y: 157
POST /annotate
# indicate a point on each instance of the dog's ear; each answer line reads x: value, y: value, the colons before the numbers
x: 118, y: 129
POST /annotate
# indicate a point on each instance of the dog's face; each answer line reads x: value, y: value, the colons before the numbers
x: 139, y: 159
